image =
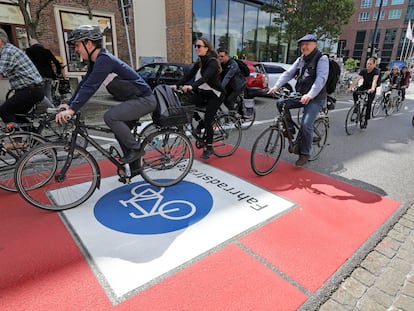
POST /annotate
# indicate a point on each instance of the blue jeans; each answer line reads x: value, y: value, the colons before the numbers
x: 310, y: 113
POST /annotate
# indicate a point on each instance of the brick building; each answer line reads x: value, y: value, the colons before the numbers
x: 357, y: 39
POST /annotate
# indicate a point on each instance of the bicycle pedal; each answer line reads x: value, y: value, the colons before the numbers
x: 124, y: 180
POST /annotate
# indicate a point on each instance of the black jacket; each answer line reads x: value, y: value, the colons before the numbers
x: 42, y: 59
x: 210, y: 74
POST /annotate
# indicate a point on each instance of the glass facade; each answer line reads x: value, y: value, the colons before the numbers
x: 239, y: 26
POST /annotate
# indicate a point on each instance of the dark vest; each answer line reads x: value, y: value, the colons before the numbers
x: 307, y: 74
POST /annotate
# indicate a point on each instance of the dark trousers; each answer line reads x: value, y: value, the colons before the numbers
x: 21, y: 102
x: 371, y: 97
x: 212, y: 103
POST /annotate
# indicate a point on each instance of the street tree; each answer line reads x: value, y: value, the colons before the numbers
x: 325, y: 18
x: 32, y: 13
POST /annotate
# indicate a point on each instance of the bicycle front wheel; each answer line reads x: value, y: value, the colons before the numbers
x: 320, y: 135
x: 40, y: 181
x: 227, y: 135
x: 266, y: 151
x: 12, y: 147
x: 167, y: 153
x: 352, y: 120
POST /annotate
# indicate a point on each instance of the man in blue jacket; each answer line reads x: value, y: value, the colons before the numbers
x: 105, y: 68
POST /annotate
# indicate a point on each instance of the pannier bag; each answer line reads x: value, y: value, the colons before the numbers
x: 170, y: 111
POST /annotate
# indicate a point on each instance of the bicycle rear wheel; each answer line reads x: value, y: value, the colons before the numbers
x: 40, y: 182
x: 227, y: 135
x: 167, y: 153
x: 266, y: 151
x: 12, y: 147
x: 320, y: 135
x: 377, y: 106
x: 352, y: 120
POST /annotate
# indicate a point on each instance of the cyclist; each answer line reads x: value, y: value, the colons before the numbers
x: 206, y: 86
x: 24, y: 79
x: 370, y: 76
x: 404, y: 81
x: 103, y: 67
x: 311, y: 69
x: 232, y: 79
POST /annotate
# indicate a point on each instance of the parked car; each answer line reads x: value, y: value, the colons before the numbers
x: 257, y: 82
x: 163, y: 73
x: 275, y: 70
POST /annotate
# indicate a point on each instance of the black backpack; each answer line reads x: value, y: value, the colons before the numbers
x: 170, y: 111
x: 245, y: 71
x: 334, y: 74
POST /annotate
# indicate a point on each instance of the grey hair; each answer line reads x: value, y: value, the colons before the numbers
x: 3, y: 36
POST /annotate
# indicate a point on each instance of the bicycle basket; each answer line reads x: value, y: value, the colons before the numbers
x: 169, y: 111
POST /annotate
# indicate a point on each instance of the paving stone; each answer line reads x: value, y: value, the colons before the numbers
x: 369, y: 304
x: 401, y: 265
x: 344, y: 298
x: 408, y: 290
x: 364, y: 276
x: 404, y: 303
x: 381, y: 298
x: 354, y: 287
x: 385, y: 249
x: 406, y: 223
x: 406, y: 254
x: 392, y: 243
x: 332, y: 305
x: 397, y: 235
x: 375, y: 262
x: 402, y: 229
x: 391, y: 281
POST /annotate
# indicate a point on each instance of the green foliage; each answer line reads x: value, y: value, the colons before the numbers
x: 351, y: 64
x: 325, y: 18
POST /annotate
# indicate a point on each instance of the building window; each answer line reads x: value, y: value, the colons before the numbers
x: 384, y: 3
x: 394, y: 14
x: 382, y: 16
x: 397, y: 2
x: 366, y: 3
x: 363, y: 17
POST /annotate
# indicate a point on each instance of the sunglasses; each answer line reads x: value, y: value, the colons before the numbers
x: 197, y: 46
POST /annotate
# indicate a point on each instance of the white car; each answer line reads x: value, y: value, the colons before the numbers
x: 275, y: 70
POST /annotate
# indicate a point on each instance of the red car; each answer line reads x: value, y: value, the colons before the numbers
x: 257, y: 82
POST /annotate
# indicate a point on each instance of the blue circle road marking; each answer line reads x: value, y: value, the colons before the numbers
x: 140, y: 208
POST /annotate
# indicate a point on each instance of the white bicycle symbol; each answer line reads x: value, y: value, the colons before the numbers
x: 148, y: 194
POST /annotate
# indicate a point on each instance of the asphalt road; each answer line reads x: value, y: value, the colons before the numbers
x: 378, y: 159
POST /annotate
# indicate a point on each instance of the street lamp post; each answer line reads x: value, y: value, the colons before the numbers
x: 374, y: 37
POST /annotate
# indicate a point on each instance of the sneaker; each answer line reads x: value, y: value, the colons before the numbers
x: 364, y: 124
x: 14, y: 145
x: 303, y: 159
x: 207, y: 153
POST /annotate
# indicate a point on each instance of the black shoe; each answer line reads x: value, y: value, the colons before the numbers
x: 303, y: 159
x: 207, y: 153
x: 133, y: 155
x: 364, y: 124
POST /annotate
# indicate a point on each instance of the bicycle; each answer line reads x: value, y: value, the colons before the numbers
x: 226, y: 127
x: 356, y: 114
x: 330, y: 105
x: 389, y: 100
x: 12, y: 146
x: 268, y: 146
x: 62, y: 175
x: 245, y: 118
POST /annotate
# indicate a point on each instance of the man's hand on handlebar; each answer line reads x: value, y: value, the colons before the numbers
x: 65, y: 115
x: 273, y: 89
x: 305, y: 99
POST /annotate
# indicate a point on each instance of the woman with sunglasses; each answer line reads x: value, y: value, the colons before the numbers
x: 206, y: 87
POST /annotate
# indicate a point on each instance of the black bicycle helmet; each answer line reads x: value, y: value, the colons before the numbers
x: 85, y: 32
